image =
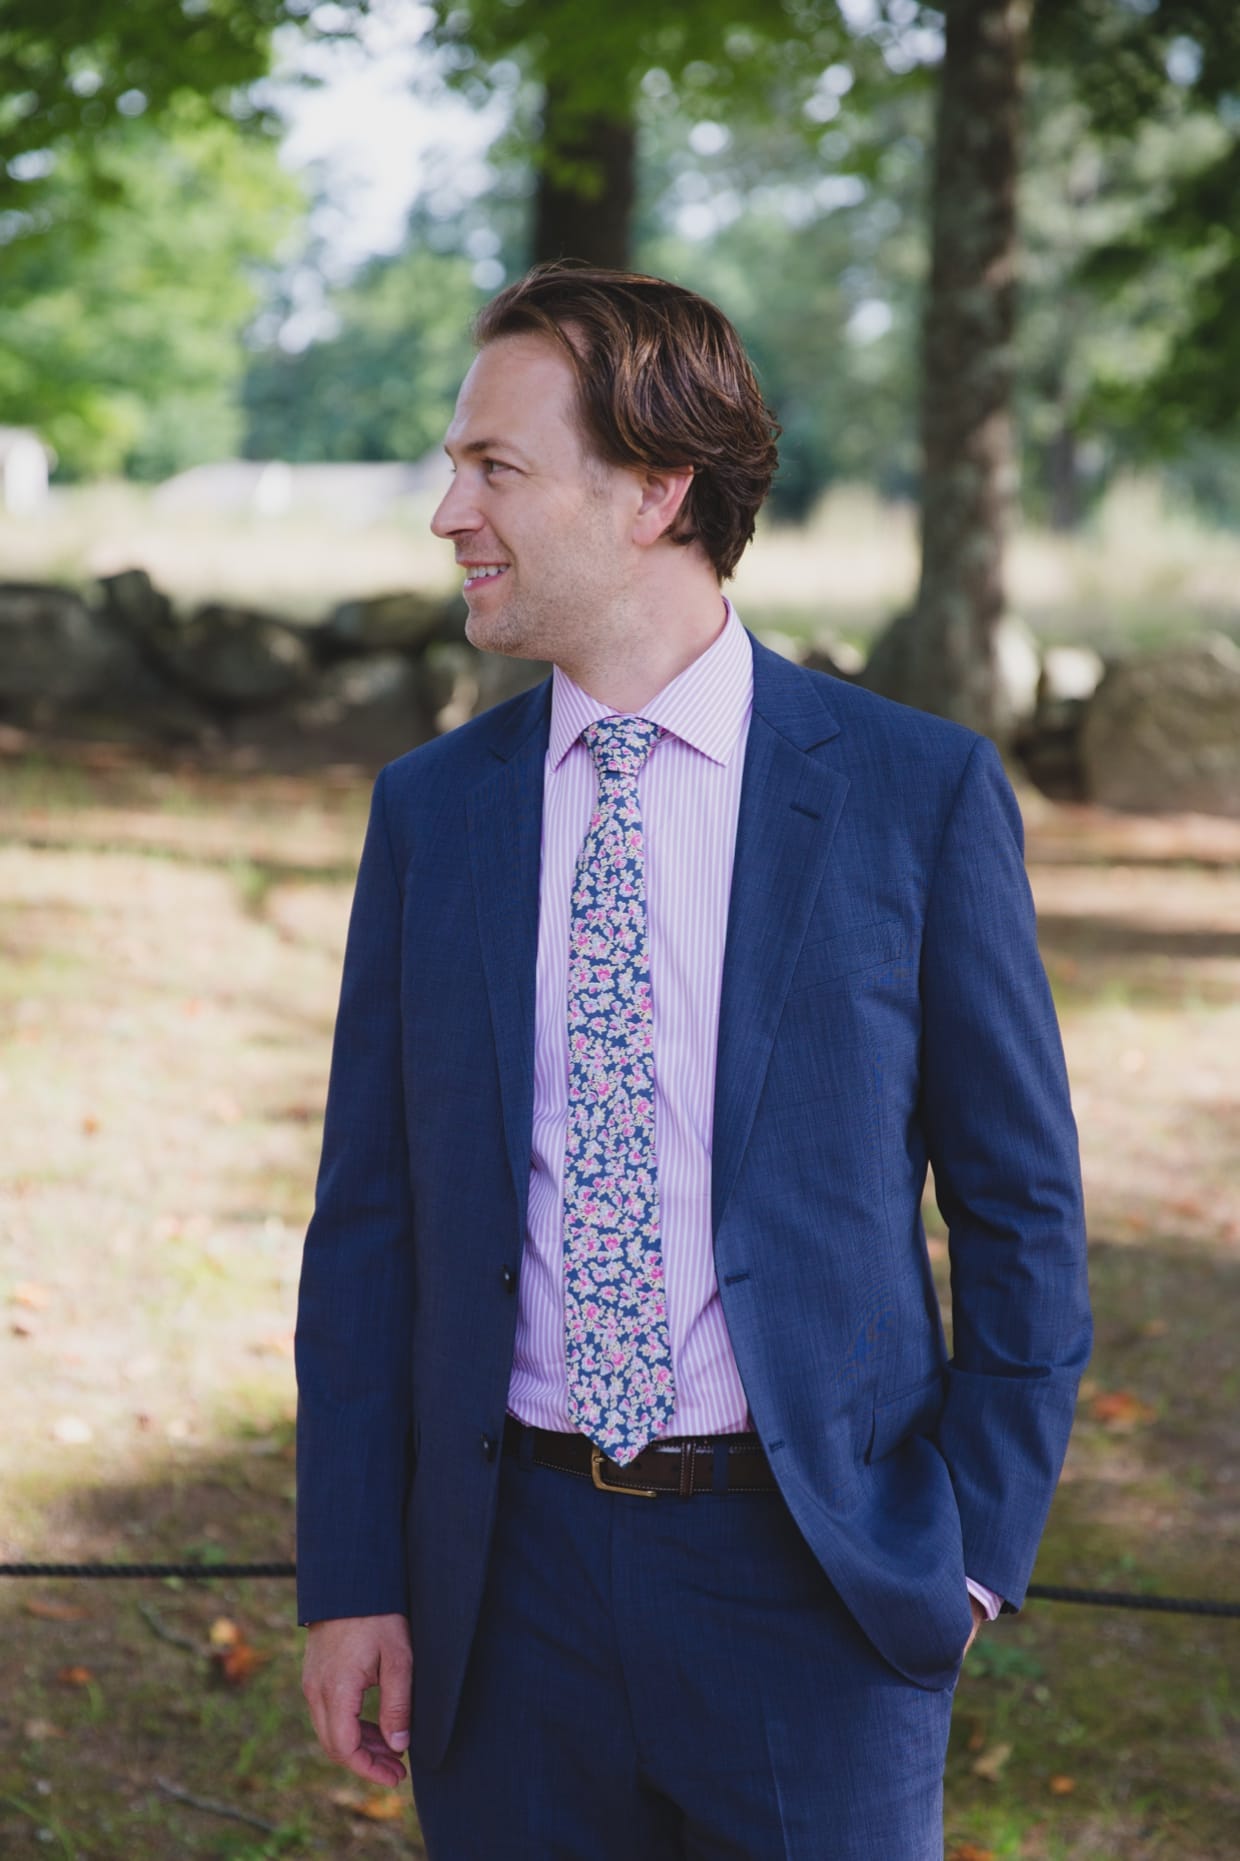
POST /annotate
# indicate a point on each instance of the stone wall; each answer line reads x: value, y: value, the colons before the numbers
x: 1153, y: 732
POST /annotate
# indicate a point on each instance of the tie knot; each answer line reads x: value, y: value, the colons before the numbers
x: 620, y: 745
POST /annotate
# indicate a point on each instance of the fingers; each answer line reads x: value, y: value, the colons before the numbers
x: 395, y: 1693
x: 343, y: 1659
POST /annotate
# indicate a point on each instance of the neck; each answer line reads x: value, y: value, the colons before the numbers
x: 651, y: 643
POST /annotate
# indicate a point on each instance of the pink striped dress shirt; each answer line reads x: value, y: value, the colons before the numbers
x: 690, y: 790
x: 690, y: 793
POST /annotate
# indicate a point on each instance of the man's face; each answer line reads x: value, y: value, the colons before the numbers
x: 542, y: 528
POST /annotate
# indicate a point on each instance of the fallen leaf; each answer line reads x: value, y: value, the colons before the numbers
x: 225, y: 1633
x: 977, y: 1738
x: 384, y: 1806
x: 47, y: 1609
x: 90, y: 1124
x: 969, y: 1851
x: 1060, y: 1785
x: 38, y: 1731
x: 991, y: 1762
x: 238, y: 1664
x: 376, y: 1806
x: 1119, y: 1409
x: 75, y: 1676
x: 33, y: 1297
x: 1154, y: 1328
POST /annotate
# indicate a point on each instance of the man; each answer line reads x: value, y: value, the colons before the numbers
x: 629, y: 1445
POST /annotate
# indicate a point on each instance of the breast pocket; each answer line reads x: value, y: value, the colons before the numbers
x: 849, y: 953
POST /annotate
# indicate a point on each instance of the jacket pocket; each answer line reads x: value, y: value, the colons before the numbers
x: 914, y: 1411
x: 849, y: 952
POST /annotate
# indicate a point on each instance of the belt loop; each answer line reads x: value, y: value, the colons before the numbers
x: 719, y: 1468
x: 687, y: 1454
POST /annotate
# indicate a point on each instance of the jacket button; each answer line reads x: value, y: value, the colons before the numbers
x: 489, y: 1445
x: 509, y: 1278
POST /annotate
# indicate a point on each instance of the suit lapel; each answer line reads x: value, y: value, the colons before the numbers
x: 505, y: 838
x: 789, y: 809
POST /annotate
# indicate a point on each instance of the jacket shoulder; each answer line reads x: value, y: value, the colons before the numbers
x: 471, y: 750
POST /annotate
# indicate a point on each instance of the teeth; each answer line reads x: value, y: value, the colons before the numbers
x: 477, y: 575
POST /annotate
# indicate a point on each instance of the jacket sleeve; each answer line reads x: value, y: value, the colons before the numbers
x: 354, y: 1424
x: 1002, y: 1142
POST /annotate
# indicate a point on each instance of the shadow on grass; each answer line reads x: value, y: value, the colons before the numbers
x: 1080, y: 1734
x: 114, y: 1690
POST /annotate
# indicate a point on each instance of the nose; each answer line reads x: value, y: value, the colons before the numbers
x: 456, y: 514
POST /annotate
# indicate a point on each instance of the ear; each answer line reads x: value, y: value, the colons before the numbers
x: 662, y: 494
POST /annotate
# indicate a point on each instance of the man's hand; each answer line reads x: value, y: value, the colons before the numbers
x: 979, y: 1616
x: 343, y: 1658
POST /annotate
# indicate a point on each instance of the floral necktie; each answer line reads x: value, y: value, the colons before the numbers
x: 618, y: 1350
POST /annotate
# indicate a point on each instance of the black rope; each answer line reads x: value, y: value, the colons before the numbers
x: 148, y: 1570
x: 1037, y: 1592
x: 1126, y: 1599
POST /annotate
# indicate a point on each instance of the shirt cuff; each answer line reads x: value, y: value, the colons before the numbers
x: 989, y: 1601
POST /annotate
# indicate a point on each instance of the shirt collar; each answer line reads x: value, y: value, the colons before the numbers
x: 705, y: 705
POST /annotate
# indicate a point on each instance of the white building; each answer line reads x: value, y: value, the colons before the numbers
x: 24, y: 465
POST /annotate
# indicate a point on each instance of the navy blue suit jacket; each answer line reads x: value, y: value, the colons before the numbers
x: 883, y: 1005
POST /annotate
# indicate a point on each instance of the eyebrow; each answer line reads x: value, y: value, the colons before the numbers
x: 475, y: 448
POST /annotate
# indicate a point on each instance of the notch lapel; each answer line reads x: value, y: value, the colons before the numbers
x: 789, y: 810
x: 504, y: 815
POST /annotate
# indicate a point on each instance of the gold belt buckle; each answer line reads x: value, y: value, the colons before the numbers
x: 596, y: 1474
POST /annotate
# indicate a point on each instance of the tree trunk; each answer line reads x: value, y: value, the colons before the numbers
x: 584, y: 205
x: 949, y: 663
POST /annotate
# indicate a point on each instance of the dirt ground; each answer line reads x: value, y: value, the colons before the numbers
x: 170, y: 945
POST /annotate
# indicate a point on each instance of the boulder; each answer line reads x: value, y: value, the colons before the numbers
x: 383, y: 623
x: 234, y: 657
x: 889, y: 668
x: 460, y: 681
x: 51, y: 649
x: 1162, y: 732
x: 134, y: 604
x: 368, y: 683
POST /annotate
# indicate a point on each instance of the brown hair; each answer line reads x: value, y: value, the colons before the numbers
x: 662, y: 381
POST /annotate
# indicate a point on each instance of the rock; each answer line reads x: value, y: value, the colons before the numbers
x: 1162, y: 732
x: 405, y: 621
x: 132, y: 601
x: 81, y: 671
x: 461, y: 681
x: 51, y: 650
x: 1017, y: 667
x: 372, y: 682
x: 234, y: 657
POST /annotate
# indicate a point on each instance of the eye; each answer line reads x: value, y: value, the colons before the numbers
x: 491, y: 466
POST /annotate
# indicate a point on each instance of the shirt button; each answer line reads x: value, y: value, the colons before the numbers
x: 488, y: 1447
x: 509, y: 1277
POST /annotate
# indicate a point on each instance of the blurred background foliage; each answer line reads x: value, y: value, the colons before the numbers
x: 150, y: 244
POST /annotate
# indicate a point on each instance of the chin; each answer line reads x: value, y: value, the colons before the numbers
x: 496, y: 633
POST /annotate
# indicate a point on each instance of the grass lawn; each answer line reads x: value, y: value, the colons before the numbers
x: 170, y: 944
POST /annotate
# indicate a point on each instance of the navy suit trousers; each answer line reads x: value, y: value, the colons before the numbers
x: 675, y: 1680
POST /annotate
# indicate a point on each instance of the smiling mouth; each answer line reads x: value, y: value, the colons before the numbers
x: 477, y: 574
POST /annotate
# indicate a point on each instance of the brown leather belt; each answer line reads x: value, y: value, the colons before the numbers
x: 682, y: 1465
